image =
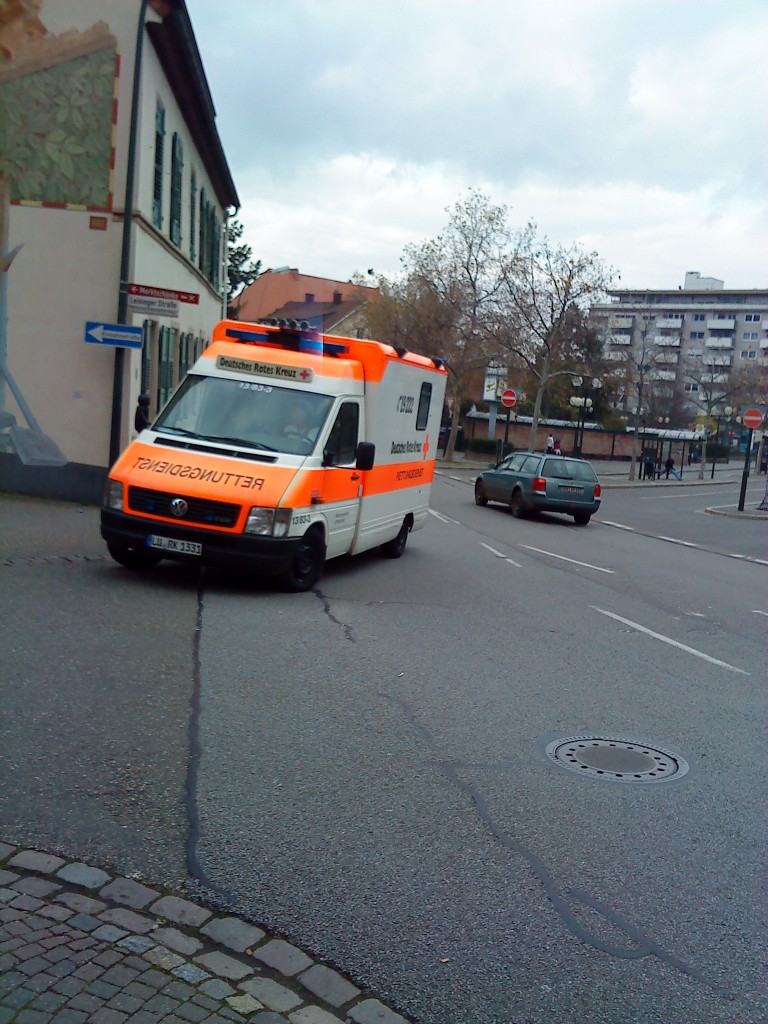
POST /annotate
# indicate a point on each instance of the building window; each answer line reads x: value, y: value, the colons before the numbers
x: 691, y: 388
x: 748, y: 354
x: 177, y: 163
x: 699, y: 316
x: 192, y: 215
x: 157, y: 194
x: 697, y: 334
x: 165, y: 366
x: 753, y: 318
x: 750, y: 336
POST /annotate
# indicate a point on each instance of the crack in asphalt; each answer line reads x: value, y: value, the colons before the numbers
x: 643, y: 946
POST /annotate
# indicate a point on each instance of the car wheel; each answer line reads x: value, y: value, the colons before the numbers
x: 581, y: 518
x: 517, y: 505
x: 480, y: 498
x: 133, y: 558
x: 395, y: 547
x: 306, y: 565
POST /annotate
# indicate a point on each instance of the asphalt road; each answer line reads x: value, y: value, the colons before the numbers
x: 367, y: 771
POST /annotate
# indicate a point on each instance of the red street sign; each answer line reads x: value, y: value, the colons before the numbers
x: 508, y: 398
x: 148, y: 291
x: 752, y: 418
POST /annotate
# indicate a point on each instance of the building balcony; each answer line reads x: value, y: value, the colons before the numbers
x: 666, y: 341
x: 719, y: 342
x: 664, y: 375
x: 717, y: 361
x: 726, y: 323
x: 621, y: 339
x: 669, y: 322
x: 619, y: 322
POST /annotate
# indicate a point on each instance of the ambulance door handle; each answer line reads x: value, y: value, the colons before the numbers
x: 355, y: 476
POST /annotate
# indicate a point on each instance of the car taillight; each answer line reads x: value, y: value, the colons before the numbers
x: 597, y: 490
x: 540, y: 485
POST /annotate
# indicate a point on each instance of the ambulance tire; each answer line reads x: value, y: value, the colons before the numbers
x: 306, y: 565
x: 133, y: 558
x: 395, y: 547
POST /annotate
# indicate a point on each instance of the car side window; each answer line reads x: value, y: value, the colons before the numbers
x: 516, y: 462
x: 530, y: 464
x: 341, y: 447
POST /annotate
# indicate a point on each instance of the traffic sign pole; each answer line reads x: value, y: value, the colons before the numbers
x: 751, y: 419
x: 745, y: 473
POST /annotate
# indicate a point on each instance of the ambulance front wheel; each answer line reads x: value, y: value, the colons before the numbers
x: 133, y: 558
x: 306, y: 565
x: 395, y: 547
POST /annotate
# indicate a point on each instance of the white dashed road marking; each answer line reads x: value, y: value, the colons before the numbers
x: 670, y: 641
x: 552, y: 554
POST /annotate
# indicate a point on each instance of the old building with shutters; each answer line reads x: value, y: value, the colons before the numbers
x: 106, y: 108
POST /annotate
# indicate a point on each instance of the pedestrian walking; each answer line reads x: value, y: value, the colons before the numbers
x: 669, y: 465
x: 650, y: 466
x: 550, y: 444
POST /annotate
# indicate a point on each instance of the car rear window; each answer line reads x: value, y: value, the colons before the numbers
x: 563, y: 469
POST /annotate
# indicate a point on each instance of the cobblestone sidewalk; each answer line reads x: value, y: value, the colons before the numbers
x: 78, y: 945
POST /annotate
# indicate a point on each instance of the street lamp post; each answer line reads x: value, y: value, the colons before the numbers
x: 583, y: 404
x: 726, y: 413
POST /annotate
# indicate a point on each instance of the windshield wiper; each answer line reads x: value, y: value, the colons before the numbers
x: 176, y: 430
x: 236, y: 441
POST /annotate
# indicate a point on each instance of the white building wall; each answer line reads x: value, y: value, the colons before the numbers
x: 67, y: 271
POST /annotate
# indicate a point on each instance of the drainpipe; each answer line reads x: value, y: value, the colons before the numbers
x: 125, y: 259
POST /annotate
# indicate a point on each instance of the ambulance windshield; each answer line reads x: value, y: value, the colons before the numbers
x: 238, y: 412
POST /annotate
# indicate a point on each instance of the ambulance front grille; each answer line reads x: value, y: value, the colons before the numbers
x: 198, y: 510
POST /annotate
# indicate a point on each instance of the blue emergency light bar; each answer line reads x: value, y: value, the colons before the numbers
x: 296, y: 336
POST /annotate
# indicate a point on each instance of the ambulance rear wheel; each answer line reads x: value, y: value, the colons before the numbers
x: 306, y: 565
x: 395, y: 547
x: 133, y: 558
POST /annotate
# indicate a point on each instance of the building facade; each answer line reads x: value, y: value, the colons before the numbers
x: 683, y: 346
x: 83, y: 131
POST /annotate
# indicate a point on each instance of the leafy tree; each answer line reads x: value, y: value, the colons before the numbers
x: 549, y: 290
x: 240, y: 268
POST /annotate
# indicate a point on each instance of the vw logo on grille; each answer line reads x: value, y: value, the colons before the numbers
x: 179, y: 507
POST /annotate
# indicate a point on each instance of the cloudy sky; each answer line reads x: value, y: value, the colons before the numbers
x: 635, y: 127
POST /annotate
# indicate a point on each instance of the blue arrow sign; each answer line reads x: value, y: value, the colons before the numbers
x: 119, y: 335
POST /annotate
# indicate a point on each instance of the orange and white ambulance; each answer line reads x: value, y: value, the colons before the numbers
x: 280, y: 449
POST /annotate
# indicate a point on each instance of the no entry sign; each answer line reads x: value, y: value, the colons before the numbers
x: 752, y: 418
x: 508, y: 398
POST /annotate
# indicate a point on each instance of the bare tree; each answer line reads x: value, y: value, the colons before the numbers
x: 715, y: 384
x: 450, y: 295
x: 549, y: 291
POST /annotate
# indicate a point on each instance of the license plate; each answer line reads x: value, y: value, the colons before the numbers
x: 181, y: 547
x: 571, y: 490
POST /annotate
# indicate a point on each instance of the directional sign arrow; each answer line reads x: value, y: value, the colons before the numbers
x: 119, y: 335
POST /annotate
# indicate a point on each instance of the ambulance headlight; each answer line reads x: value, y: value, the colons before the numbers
x: 268, y: 522
x: 114, y: 495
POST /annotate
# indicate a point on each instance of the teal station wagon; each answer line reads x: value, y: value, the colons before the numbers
x: 535, y: 482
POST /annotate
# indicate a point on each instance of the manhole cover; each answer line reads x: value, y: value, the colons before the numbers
x: 615, y: 760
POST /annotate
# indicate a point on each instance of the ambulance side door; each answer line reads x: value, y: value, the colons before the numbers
x: 342, y: 482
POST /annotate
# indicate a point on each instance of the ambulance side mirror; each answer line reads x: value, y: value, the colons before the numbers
x: 366, y: 453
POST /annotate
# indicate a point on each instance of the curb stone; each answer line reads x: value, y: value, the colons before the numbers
x: 79, y: 945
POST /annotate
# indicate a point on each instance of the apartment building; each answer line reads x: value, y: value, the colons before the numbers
x: 676, y: 344
x: 99, y: 100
